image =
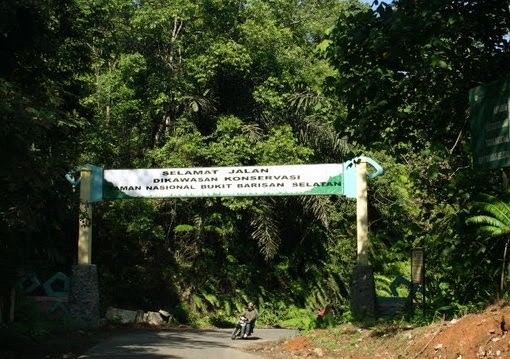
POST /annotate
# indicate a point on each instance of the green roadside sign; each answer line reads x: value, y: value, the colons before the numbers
x: 490, y: 124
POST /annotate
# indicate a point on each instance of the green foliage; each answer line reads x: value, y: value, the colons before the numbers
x: 181, y: 313
x: 402, y: 85
x: 280, y: 314
x: 231, y: 147
x: 222, y: 83
x: 281, y: 147
x: 43, y: 51
x: 406, y: 214
x: 273, y: 313
x: 405, y: 96
x: 301, y: 319
x: 493, y: 221
x: 393, y: 285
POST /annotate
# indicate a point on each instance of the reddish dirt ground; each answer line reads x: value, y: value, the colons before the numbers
x: 473, y: 336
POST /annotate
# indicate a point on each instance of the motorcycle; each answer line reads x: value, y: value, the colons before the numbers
x: 239, y: 329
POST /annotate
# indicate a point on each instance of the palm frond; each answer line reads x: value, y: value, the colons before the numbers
x: 320, y: 135
x: 198, y: 102
x: 317, y: 206
x: 266, y: 232
x: 253, y: 132
x: 302, y: 100
x: 211, y: 299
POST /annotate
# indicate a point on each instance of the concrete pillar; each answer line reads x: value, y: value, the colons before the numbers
x: 84, y: 286
x: 362, y: 286
x: 85, y: 218
x: 362, y: 213
x: 84, y: 296
x: 363, y: 293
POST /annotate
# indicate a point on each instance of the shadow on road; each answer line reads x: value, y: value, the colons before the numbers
x: 180, y: 343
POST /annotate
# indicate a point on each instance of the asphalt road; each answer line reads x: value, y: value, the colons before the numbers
x: 182, y: 344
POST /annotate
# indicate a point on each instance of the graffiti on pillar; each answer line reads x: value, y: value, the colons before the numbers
x: 51, y: 296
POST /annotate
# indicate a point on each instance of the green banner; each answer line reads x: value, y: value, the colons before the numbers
x: 319, y: 179
x: 286, y: 180
x: 490, y: 124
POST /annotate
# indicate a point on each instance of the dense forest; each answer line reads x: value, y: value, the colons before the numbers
x: 177, y: 84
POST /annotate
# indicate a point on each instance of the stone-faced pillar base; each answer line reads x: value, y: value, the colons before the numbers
x: 84, y: 296
x: 363, y: 293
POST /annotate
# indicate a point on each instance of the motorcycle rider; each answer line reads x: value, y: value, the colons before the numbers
x: 251, y: 314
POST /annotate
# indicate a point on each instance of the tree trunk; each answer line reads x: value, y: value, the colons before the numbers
x: 503, y: 272
x: 12, y: 305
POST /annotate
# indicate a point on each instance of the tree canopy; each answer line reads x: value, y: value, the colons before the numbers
x: 159, y: 84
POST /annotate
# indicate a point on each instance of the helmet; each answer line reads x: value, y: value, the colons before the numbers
x: 250, y: 305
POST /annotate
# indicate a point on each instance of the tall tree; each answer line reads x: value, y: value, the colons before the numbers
x: 214, y: 83
x: 43, y: 54
x: 404, y: 71
x: 405, y: 68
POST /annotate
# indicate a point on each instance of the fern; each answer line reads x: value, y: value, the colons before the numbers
x: 494, y: 221
x: 198, y: 303
x: 211, y: 299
